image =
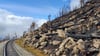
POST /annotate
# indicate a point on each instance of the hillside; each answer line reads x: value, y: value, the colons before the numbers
x: 69, y: 35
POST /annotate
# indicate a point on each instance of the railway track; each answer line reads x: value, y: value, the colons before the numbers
x: 9, y: 49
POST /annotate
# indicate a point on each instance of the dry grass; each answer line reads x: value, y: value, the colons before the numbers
x: 33, y: 50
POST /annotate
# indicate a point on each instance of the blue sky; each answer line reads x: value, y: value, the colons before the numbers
x: 34, y: 8
x: 16, y: 16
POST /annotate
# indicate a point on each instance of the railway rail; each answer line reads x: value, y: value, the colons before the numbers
x: 9, y: 49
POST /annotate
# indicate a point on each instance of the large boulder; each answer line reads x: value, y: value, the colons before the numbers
x: 46, y: 51
x: 63, y: 55
x: 96, y: 43
x: 36, y: 45
x: 43, y: 38
x: 70, y: 43
x: 81, y: 45
x: 32, y: 41
x: 43, y: 43
x: 60, y: 51
x: 64, y: 42
x: 61, y: 33
x: 55, y: 42
x: 27, y: 40
x: 98, y: 54
x: 79, y: 48
x: 75, y: 50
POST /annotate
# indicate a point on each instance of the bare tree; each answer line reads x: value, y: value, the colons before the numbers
x: 82, y: 2
x: 7, y: 37
x: 24, y: 33
x: 50, y: 24
x: 64, y: 10
x: 15, y: 36
x: 32, y: 27
x: 49, y: 18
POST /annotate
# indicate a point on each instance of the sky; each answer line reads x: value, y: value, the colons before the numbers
x: 16, y: 16
x: 34, y: 8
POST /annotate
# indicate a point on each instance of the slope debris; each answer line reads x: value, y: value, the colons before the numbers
x: 73, y: 34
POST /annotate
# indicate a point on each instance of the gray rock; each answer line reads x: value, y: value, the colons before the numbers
x: 55, y: 42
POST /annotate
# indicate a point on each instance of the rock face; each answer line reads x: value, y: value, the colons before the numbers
x: 61, y: 33
x: 56, y: 42
x: 96, y: 43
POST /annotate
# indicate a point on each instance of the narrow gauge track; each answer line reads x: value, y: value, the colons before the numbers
x: 9, y: 49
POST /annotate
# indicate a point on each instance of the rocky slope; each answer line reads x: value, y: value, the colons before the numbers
x: 54, y: 41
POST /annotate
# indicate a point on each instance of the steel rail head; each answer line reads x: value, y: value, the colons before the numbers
x: 5, y: 49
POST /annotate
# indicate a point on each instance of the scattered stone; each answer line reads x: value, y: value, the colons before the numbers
x: 56, y: 42
x: 96, y: 43
x: 98, y: 54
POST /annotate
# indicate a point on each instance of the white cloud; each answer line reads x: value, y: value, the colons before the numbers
x: 10, y: 23
x: 74, y: 3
